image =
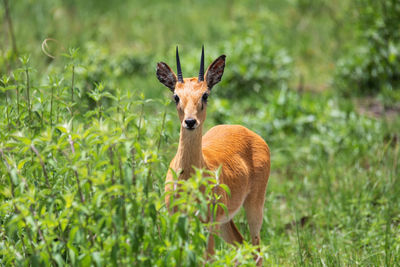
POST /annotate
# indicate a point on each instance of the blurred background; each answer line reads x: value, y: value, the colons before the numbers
x: 352, y: 46
x: 319, y: 80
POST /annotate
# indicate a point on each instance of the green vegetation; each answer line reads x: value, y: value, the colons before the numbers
x: 87, y: 132
x: 374, y: 64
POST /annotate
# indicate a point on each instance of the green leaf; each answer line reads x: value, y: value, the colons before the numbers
x: 97, y: 258
x: 69, y: 198
x: 222, y: 205
x: 62, y: 129
x: 58, y: 258
x: 182, y: 225
x: 226, y: 189
x: 25, y: 140
x: 72, y: 234
x: 86, y: 260
x: 14, y: 176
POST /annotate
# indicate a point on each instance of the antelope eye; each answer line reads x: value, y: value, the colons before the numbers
x: 205, y: 97
x: 176, y: 98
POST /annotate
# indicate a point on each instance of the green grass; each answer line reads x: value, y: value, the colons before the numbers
x: 82, y: 175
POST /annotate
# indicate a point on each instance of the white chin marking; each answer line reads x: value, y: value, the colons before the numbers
x: 190, y: 129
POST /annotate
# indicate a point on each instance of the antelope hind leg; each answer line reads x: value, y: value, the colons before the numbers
x: 230, y: 233
x: 254, y: 207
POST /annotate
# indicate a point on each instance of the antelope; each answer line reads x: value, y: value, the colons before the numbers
x: 243, y: 155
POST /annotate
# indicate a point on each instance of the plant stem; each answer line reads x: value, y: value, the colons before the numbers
x: 99, y: 109
x: 9, y: 171
x: 10, y: 28
x: 41, y: 121
x: 58, y: 103
x: 79, y: 186
x: 42, y: 236
x: 72, y: 83
x: 133, y: 165
x: 15, y: 206
x: 121, y: 177
x: 51, y: 106
x: 298, y: 240
x: 78, y: 182
x: 28, y: 94
x: 148, y: 182
x: 71, y: 143
x: 162, y: 129
x: 7, y: 111
x: 140, y: 120
x: 18, y: 106
x: 72, y: 95
x: 41, y: 164
x: 111, y: 156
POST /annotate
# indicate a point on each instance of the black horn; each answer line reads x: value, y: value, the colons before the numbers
x: 201, y: 72
x: 178, y: 66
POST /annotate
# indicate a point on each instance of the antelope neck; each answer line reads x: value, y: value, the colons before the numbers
x: 189, y: 152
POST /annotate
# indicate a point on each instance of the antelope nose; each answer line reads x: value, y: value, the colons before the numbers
x: 190, y: 123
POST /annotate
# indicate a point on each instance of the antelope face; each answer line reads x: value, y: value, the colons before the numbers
x: 191, y: 94
x: 191, y: 102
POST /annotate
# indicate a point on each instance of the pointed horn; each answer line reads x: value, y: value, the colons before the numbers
x: 178, y: 66
x: 201, y: 72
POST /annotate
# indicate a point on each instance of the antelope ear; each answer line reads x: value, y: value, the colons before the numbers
x: 215, y: 71
x: 166, y: 76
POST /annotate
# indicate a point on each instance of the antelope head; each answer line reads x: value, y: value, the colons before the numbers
x: 191, y: 94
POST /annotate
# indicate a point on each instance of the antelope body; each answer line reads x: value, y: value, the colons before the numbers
x: 243, y: 155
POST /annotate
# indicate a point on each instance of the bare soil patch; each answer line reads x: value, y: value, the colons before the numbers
x: 374, y: 108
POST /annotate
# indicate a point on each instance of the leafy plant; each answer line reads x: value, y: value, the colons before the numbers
x: 255, y: 65
x: 374, y: 64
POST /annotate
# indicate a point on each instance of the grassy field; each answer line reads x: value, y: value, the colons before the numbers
x: 87, y: 134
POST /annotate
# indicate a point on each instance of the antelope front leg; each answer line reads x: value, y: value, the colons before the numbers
x: 210, y: 246
x: 211, y: 241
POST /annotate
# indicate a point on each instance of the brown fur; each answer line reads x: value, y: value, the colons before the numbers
x: 244, y: 156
